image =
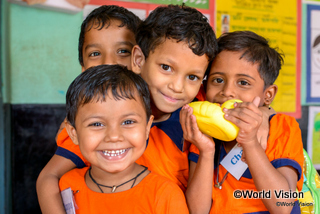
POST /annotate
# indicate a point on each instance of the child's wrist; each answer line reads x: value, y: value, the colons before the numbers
x: 207, y: 154
x: 251, y: 146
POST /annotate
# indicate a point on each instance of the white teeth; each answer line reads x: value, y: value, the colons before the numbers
x: 113, y: 153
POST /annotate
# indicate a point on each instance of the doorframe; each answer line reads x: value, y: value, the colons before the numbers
x: 5, y: 117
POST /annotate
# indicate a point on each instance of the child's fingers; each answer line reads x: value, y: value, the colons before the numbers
x: 183, y: 118
x: 243, y: 116
x: 186, y: 123
x: 256, y: 101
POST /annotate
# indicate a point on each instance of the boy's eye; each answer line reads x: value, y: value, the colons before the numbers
x: 193, y: 77
x: 96, y: 124
x: 123, y: 51
x: 127, y: 122
x: 166, y: 67
x: 218, y: 80
x: 243, y: 82
x: 94, y: 54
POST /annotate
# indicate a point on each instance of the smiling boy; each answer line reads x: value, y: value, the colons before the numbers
x: 109, y: 117
x: 174, y: 47
x: 107, y: 36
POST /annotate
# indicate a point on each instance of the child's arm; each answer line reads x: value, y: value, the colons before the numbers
x: 199, y: 190
x: 248, y: 118
x: 48, y: 184
x: 63, y: 124
x: 263, y: 131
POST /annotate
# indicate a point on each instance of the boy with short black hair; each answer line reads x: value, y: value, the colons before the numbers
x: 109, y: 117
x: 245, y: 68
x: 174, y: 47
x: 107, y: 37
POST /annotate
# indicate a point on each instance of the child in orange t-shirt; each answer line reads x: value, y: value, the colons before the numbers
x: 107, y: 36
x: 245, y: 69
x: 109, y: 117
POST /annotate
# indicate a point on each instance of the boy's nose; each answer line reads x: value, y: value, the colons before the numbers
x: 177, y: 85
x: 110, y: 59
x: 228, y: 91
x: 113, y: 135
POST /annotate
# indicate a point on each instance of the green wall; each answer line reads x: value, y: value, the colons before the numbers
x: 40, y: 49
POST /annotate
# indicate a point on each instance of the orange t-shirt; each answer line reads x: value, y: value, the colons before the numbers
x: 164, y: 155
x: 284, y: 148
x: 154, y: 194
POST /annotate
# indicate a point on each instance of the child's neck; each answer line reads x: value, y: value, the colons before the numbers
x: 159, y: 116
x: 114, y: 179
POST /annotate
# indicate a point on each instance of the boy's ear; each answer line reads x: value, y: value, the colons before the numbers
x: 72, y: 133
x: 149, y: 126
x: 137, y: 59
x: 269, y: 94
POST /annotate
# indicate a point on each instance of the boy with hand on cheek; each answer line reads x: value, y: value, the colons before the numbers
x: 107, y: 37
x: 109, y: 117
x: 245, y: 68
x: 174, y: 47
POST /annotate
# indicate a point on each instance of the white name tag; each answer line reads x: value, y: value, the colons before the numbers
x: 233, y: 163
x: 68, y: 201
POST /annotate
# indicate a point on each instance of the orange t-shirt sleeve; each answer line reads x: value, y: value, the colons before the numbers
x: 285, y: 147
x: 193, y: 153
x: 67, y: 149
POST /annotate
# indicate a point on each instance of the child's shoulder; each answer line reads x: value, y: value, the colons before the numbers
x: 282, y: 118
x: 75, y: 174
x: 73, y: 178
x: 153, y: 180
x: 282, y: 124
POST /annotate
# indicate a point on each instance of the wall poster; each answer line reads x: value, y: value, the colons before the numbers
x: 142, y: 8
x: 313, y: 146
x: 313, y: 54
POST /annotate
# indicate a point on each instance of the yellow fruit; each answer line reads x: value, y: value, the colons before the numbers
x: 210, y: 119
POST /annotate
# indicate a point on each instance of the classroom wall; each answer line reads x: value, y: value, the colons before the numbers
x: 39, y: 59
x: 42, y: 54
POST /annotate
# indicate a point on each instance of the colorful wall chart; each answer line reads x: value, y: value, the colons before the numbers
x: 313, y: 54
x: 314, y: 136
x: 142, y: 8
x: 278, y: 21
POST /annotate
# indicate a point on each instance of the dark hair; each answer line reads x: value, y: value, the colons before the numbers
x: 97, y: 82
x: 255, y: 49
x: 102, y: 17
x: 181, y: 23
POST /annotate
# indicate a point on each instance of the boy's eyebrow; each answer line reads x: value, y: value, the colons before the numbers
x: 101, y: 116
x: 170, y: 61
x: 240, y: 75
x: 132, y: 114
x: 94, y: 45
x: 125, y: 43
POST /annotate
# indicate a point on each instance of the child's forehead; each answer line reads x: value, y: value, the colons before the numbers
x: 229, y: 61
x: 115, y: 95
x: 167, y: 44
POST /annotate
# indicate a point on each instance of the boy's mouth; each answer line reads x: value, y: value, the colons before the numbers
x: 114, y: 153
x: 171, y: 99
